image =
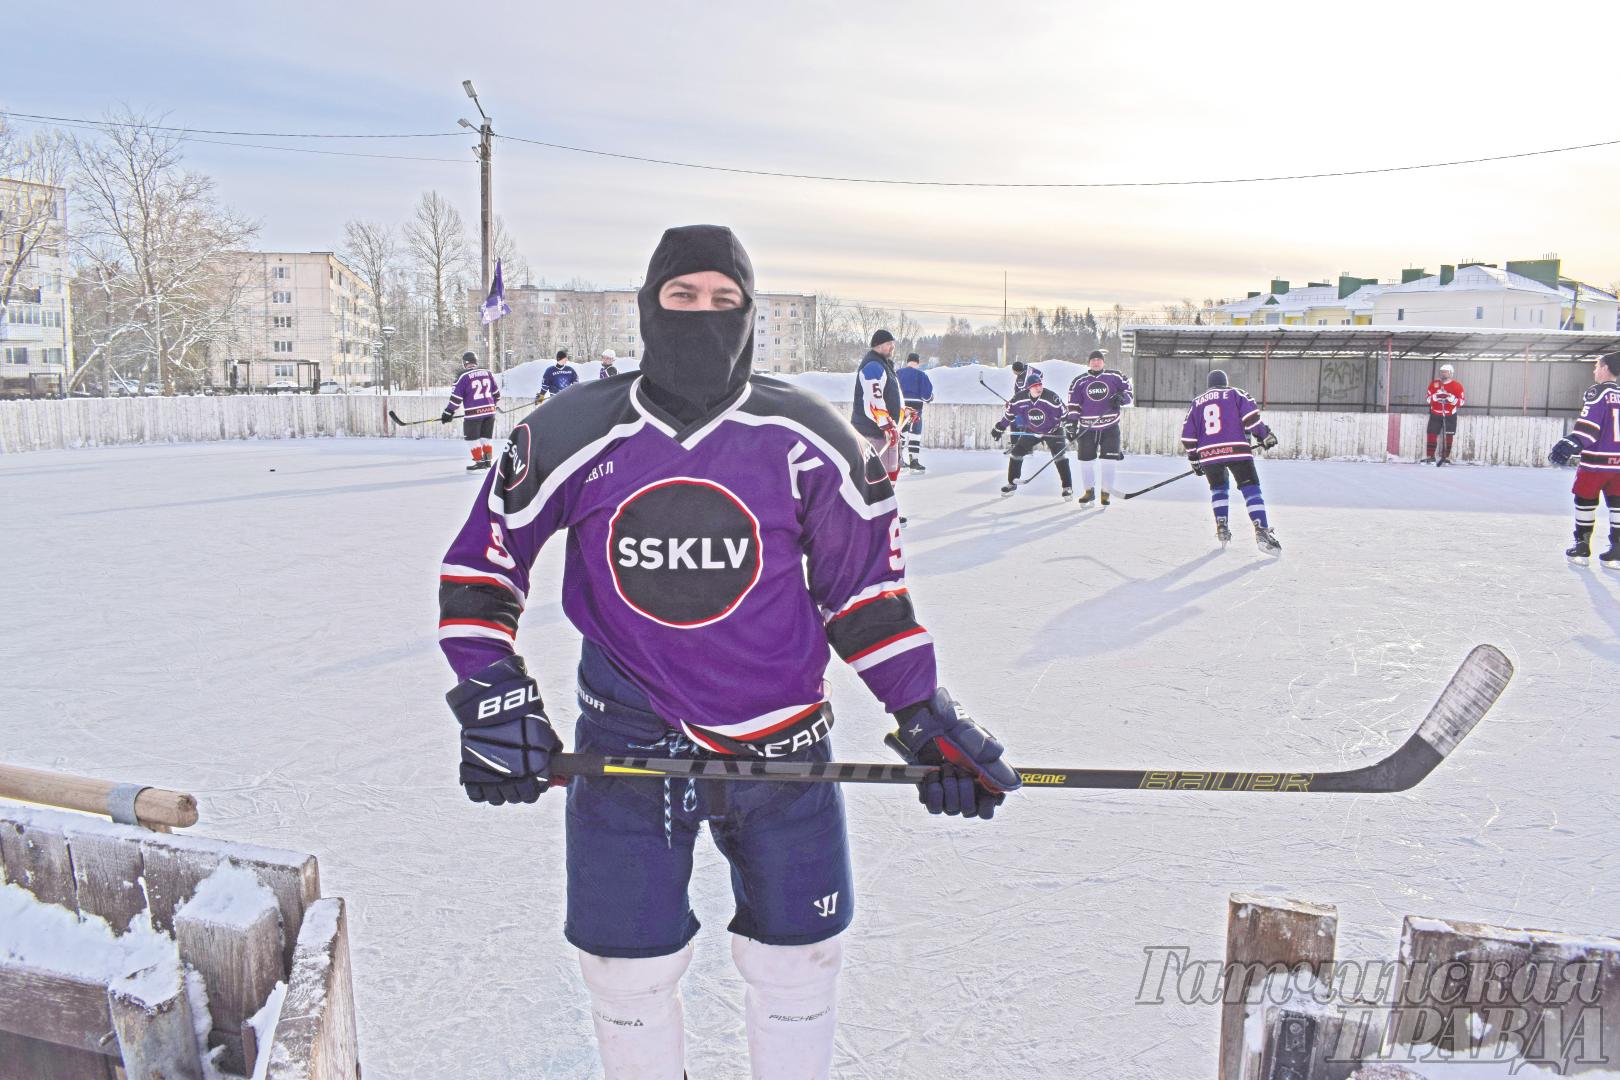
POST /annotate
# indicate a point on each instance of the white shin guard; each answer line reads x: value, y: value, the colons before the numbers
x: 636, y: 1007
x: 1108, y: 474
x: 791, y: 1006
x: 1088, y: 475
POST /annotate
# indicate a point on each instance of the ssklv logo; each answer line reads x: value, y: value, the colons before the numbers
x: 684, y: 552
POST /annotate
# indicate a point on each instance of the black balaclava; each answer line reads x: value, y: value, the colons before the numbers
x: 695, y: 360
x: 1217, y: 378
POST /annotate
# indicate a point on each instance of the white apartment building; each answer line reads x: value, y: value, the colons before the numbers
x: 305, y: 316
x: 36, y: 319
x: 586, y: 321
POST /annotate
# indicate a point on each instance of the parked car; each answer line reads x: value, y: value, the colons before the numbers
x: 280, y: 386
x: 152, y: 389
x: 331, y: 386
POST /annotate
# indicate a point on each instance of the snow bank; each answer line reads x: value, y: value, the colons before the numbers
x: 52, y: 938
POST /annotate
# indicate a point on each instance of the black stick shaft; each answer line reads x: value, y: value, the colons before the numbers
x: 988, y: 387
x: 1155, y: 487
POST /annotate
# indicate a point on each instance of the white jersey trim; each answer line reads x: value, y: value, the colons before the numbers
x: 889, y: 652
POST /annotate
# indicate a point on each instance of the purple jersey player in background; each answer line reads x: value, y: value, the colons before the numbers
x: 476, y: 395
x: 1036, y: 419
x: 1095, y: 401
x: 724, y: 534
x: 1216, y: 435
x: 1596, y: 437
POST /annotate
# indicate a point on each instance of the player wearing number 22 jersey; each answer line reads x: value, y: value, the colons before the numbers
x: 1216, y: 435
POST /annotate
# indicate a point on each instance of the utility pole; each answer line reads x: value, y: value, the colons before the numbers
x: 486, y: 214
x: 1005, y: 359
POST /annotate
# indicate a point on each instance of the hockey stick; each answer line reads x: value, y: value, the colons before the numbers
x: 1061, y: 451
x: 1473, y: 689
x: 1173, y: 479
x: 987, y: 387
x: 394, y: 416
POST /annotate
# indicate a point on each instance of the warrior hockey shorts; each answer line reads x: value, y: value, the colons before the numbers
x: 1093, y: 441
x: 474, y: 428
x: 630, y: 840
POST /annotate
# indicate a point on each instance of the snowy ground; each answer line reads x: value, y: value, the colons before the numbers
x: 254, y: 623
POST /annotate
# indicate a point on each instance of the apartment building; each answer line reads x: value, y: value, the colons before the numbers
x: 36, y: 319
x: 1529, y: 294
x: 305, y: 316
x: 586, y: 321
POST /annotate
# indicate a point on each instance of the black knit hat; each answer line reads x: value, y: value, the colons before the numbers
x: 1018, y: 366
x: 1217, y: 377
x: 562, y: 354
x: 913, y: 358
x: 881, y: 336
x: 469, y: 358
x: 1096, y: 354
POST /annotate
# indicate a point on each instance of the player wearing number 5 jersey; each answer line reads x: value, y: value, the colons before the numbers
x: 1596, y: 437
x: 1216, y: 435
x: 476, y: 395
x: 725, y: 534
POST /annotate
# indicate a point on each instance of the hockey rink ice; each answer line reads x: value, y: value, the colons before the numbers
x: 255, y: 623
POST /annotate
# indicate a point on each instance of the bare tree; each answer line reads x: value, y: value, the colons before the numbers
x: 583, y: 323
x: 31, y: 210
x: 866, y: 319
x: 436, y: 240
x: 514, y: 269
x: 152, y: 244
x: 374, y: 251
x: 906, y: 331
x: 829, y: 334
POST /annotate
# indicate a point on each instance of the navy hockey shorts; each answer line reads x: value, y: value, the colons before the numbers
x: 474, y: 428
x: 1024, y: 445
x: 1243, y: 471
x: 630, y: 840
x: 1093, y: 441
x: 1439, y: 424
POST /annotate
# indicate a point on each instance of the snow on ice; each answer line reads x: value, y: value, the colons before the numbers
x: 185, y: 616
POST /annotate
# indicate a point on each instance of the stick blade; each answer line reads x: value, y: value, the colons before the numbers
x: 1478, y: 682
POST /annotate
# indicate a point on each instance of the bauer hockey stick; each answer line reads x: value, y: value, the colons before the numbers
x: 1473, y: 689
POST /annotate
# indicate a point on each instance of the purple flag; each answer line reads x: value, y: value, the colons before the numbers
x: 495, y: 305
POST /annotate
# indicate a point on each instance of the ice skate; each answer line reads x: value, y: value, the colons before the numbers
x: 1267, y: 540
x: 1087, y: 496
x: 1222, y: 533
x: 1066, y: 493
x: 1008, y: 489
x: 916, y: 466
x: 1103, y: 498
x: 1581, y: 552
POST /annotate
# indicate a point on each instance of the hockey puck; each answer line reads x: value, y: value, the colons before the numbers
x: 272, y: 470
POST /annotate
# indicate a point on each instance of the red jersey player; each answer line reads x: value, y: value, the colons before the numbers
x: 1445, y: 398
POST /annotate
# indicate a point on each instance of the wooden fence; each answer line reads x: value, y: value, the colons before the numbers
x: 55, y: 425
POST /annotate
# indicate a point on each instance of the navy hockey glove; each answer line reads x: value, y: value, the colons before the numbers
x: 506, y: 740
x: 996, y: 434
x: 1197, y: 466
x: 1268, y: 443
x: 973, y: 780
x: 446, y: 416
x: 1563, y: 450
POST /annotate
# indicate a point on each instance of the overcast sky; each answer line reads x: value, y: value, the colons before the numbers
x: 1014, y: 91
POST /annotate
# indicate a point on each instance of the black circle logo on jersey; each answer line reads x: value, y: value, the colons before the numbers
x: 1097, y: 390
x: 1037, y: 417
x: 684, y: 552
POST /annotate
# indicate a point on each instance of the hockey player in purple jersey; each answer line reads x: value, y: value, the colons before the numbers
x: 1216, y: 434
x: 1036, y: 420
x: 1023, y: 375
x: 723, y: 534
x: 1092, y: 423
x: 476, y: 395
x: 1596, y: 438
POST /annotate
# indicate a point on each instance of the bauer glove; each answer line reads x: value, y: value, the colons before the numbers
x: 506, y: 740
x: 972, y: 779
x: 1562, y: 451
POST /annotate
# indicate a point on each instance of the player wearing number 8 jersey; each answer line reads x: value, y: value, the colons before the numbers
x: 1216, y: 435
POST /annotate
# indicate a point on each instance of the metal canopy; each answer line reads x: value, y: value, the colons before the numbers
x: 1428, y: 342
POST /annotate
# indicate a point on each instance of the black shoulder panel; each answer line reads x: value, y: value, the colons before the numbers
x: 775, y: 398
x: 557, y: 430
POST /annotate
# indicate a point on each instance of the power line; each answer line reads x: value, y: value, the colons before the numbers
x: 212, y: 131
x: 1075, y: 184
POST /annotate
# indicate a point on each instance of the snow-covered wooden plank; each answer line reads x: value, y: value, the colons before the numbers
x: 157, y: 1037
x: 64, y: 1008
x: 107, y: 872
x: 315, y: 1036
x: 22, y: 1058
x: 36, y: 858
x: 1265, y: 933
x: 229, y: 932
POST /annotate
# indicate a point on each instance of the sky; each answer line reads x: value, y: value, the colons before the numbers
x: 946, y: 90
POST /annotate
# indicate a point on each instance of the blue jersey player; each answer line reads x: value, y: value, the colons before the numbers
x: 1216, y: 434
x: 724, y: 533
x: 558, y: 377
x: 916, y: 391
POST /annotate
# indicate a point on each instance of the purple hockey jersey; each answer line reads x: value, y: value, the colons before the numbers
x: 476, y: 393
x: 714, y: 564
x: 1033, y: 415
x: 1597, y: 431
x: 1219, y: 424
x: 1096, y: 398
